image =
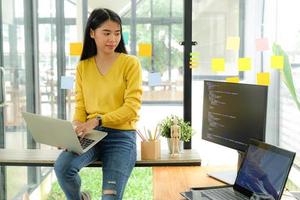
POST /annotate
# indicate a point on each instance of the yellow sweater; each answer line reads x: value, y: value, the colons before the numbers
x: 116, y: 96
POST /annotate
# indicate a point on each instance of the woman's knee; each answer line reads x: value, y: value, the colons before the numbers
x: 58, y: 168
x: 67, y: 170
x: 64, y: 165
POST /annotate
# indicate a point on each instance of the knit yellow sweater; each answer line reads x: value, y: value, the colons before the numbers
x: 116, y: 96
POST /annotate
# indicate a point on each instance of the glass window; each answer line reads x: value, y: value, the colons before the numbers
x: 71, y: 35
x: 162, y: 29
x: 161, y: 8
x: 212, y: 24
x: 46, y: 8
x: 70, y: 9
x: 288, y: 37
x: 175, y: 11
x: 47, y: 69
x: 143, y: 9
x: 15, y: 88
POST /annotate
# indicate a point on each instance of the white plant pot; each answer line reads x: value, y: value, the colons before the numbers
x: 171, y: 146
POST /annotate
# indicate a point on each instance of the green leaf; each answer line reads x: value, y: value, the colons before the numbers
x: 186, y: 130
x: 287, y: 73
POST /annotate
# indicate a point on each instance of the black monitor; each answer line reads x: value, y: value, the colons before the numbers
x: 234, y: 113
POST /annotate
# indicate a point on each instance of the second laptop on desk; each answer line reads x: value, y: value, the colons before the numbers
x: 60, y: 133
x: 262, y: 175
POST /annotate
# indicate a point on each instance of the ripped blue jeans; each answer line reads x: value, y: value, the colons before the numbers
x: 117, y: 151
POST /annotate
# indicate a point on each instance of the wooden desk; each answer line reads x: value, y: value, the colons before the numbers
x: 168, y: 182
x: 46, y: 157
x: 43, y: 157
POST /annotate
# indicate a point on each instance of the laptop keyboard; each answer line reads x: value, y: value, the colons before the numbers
x: 85, y: 142
x: 223, y: 193
x: 296, y: 195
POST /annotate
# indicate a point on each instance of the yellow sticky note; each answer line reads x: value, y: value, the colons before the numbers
x: 145, y: 50
x: 75, y: 48
x: 218, y: 64
x: 277, y: 62
x: 263, y: 78
x: 194, y: 64
x: 192, y: 54
x: 233, y: 43
x: 194, y: 58
x: 244, y: 64
x: 233, y: 79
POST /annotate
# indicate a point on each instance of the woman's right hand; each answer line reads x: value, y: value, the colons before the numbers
x: 76, y: 123
x: 83, y: 128
x: 76, y: 127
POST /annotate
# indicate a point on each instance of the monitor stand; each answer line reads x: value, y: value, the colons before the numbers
x: 229, y: 176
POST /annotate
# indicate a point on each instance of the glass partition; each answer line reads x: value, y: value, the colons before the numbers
x: 52, y: 32
x: 213, y: 22
x: 15, y: 90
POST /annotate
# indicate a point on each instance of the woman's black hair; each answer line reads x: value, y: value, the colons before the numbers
x: 95, y: 20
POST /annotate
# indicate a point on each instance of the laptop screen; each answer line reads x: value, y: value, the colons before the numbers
x: 265, y: 170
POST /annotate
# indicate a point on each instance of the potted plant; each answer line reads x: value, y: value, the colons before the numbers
x: 186, y: 130
x: 287, y: 73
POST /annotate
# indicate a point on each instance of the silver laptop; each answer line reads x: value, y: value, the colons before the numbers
x: 262, y: 175
x: 60, y: 133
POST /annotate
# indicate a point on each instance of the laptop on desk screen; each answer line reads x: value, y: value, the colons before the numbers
x: 262, y: 175
x: 60, y: 133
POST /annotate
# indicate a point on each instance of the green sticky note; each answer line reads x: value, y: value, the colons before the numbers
x: 263, y: 78
x: 126, y: 37
x: 277, y: 62
x: 218, y: 64
x: 244, y: 64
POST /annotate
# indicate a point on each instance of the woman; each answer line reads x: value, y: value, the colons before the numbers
x: 108, y: 98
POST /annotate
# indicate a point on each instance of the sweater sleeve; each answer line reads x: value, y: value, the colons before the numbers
x: 80, y: 110
x: 132, y: 97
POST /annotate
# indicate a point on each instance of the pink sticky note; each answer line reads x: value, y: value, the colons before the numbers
x: 262, y: 44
